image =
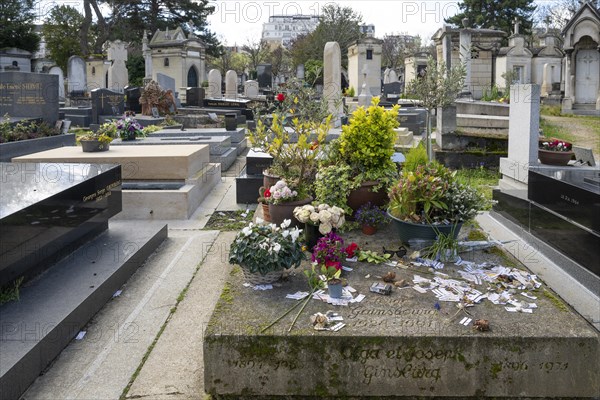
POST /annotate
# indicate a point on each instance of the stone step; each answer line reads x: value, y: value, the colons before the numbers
x: 218, y: 145
x: 225, y: 159
x: 54, y: 307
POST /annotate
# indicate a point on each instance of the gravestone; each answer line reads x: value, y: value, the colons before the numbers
x: 167, y: 83
x: 105, y: 102
x: 29, y: 95
x: 251, y: 89
x: 465, y: 57
x: 392, y: 90
x: 265, y: 75
x: 546, y: 80
x: 77, y: 78
x: 133, y: 99
x: 194, y: 97
x: 523, y: 134
x: 213, y: 91
x: 117, y: 71
x: 56, y: 70
x: 446, y: 122
x: 231, y: 84
x: 332, y: 85
x: 300, y: 71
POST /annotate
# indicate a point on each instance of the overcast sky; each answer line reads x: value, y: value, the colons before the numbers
x: 237, y: 21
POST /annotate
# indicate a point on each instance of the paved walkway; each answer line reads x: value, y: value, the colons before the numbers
x: 147, y: 342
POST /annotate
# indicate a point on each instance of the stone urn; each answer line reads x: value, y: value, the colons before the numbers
x: 93, y: 146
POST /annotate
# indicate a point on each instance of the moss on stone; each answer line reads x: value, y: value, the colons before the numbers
x: 555, y: 300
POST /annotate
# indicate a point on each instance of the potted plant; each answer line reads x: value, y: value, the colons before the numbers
x: 263, y: 201
x: 264, y: 252
x: 370, y: 217
x: 327, y: 257
x: 282, y: 201
x: 555, y: 152
x: 99, y: 140
x: 430, y: 200
x: 128, y: 128
x: 318, y: 220
x: 366, y: 145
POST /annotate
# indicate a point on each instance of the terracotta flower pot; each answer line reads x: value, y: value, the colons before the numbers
x: 283, y: 211
x: 368, y: 229
x: 554, y: 157
x: 266, y: 214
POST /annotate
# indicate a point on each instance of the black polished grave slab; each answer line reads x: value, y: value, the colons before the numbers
x: 247, y: 187
x: 133, y: 94
x: 106, y: 102
x: 47, y: 209
x: 571, y: 192
x: 194, y: 97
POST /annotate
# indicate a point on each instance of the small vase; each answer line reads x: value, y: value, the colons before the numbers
x: 368, y: 229
x: 554, y: 157
x: 335, y: 289
x: 448, y: 255
x: 311, y: 235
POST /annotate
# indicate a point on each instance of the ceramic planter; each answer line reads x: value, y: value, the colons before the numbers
x: 368, y: 229
x: 92, y: 146
x: 335, y: 289
x: 407, y: 230
x: 554, y: 157
x: 283, y: 211
x: 365, y: 194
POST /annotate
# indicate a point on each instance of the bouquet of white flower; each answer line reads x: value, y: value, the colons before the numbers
x: 322, y: 215
x: 265, y: 248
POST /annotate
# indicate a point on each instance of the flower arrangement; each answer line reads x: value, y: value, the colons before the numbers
x: 324, y: 216
x: 556, y: 145
x: 128, y: 128
x: 279, y: 193
x: 371, y: 215
x: 431, y: 194
x: 266, y: 248
x: 105, y: 134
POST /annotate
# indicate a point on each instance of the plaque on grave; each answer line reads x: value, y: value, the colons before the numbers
x: 106, y: 102
x: 31, y: 95
x: 48, y: 208
x: 392, y: 90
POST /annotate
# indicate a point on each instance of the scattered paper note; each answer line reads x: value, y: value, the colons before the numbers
x: 80, y: 335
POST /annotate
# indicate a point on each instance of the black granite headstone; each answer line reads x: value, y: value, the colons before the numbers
x: 194, y: 97
x: 392, y: 89
x: 29, y: 95
x: 265, y: 75
x: 103, y: 101
x: 133, y: 99
x: 46, y: 210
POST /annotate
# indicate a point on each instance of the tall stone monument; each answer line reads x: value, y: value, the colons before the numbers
x: 332, y: 78
x: 147, y: 53
x: 213, y: 91
x: 523, y: 135
x: 118, y: 76
x: 465, y: 55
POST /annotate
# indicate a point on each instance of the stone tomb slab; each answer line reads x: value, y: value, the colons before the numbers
x: 395, y: 346
x: 143, y: 162
x: 236, y: 136
x: 220, y: 146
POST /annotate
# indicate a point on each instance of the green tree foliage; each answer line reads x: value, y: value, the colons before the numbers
x: 396, y: 47
x: 136, y: 69
x: 257, y: 52
x: 61, y: 30
x: 16, y: 25
x: 129, y: 19
x: 499, y: 14
x: 338, y: 24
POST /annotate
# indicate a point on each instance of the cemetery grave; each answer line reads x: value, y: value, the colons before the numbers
x: 414, y: 342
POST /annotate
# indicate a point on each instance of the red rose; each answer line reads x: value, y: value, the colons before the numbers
x: 267, y: 193
x: 336, y: 264
x: 280, y: 97
x: 351, y: 250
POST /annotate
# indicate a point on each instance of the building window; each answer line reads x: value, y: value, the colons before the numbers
x: 369, y: 54
x: 93, y: 70
x: 166, y: 62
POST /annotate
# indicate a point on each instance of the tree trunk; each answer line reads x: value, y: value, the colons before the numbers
x: 428, y: 136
